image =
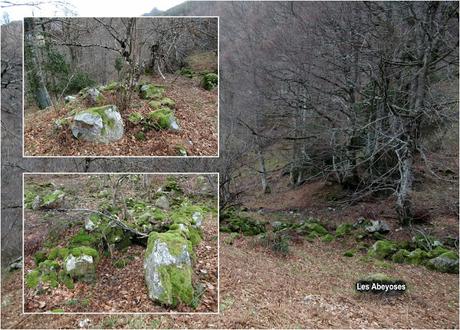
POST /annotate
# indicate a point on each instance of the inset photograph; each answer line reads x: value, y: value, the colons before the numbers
x: 145, y: 86
x: 120, y: 243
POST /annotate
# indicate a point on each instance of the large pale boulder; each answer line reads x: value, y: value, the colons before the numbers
x: 81, y: 267
x: 167, y: 268
x: 100, y: 124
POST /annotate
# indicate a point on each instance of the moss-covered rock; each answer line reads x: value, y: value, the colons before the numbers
x: 100, y: 124
x: 151, y: 91
x: 82, y: 267
x: 382, y: 249
x: 401, y: 256
x: 240, y: 223
x: 417, y: 257
x: 312, y: 227
x: 209, y: 81
x: 437, y: 251
x: 446, y: 263
x: 168, y: 271
x: 163, y: 119
x: 53, y: 200
x: 343, y: 229
x: 135, y: 118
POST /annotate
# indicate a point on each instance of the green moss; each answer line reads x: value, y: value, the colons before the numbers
x: 57, y: 311
x: 209, y: 81
x: 135, y: 118
x: 49, y: 265
x: 29, y: 197
x: 51, y: 278
x: 111, y: 86
x: 417, y: 257
x: 194, y: 236
x: 32, y: 279
x: 313, y: 227
x: 151, y: 91
x: 161, y: 118
x: 177, y: 284
x: 117, y: 237
x: 446, y: 263
x: 155, y: 104
x: 328, y: 238
x: 174, y: 240
x: 66, y: 280
x: 83, y: 238
x: 343, y: 229
x: 52, y: 197
x: 100, y: 111
x: 187, y: 72
x: 140, y: 136
x: 85, y: 250
x: 39, y: 257
x: 58, y: 253
x: 167, y: 102
x: 400, y: 256
x: 349, y: 253
x: 437, y: 251
x: 382, y: 249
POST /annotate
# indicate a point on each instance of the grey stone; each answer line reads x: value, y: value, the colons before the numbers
x: 69, y: 99
x: 89, y: 125
x: 81, y: 267
x: 162, y: 202
x: 444, y: 263
x: 378, y: 226
x: 160, y: 255
x: 197, y: 219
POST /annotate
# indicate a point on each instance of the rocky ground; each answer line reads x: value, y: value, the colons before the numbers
x: 120, y: 285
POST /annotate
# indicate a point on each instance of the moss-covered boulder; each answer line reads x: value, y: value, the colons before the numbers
x: 240, y: 223
x: 100, y: 124
x: 382, y: 249
x: 52, y: 200
x: 163, y: 119
x: 446, y: 263
x: 81, y: 267
x: 417, y: 257
x: 209, y: 81
x: 163, y: 102
x: 312, y: 228
x: 162, y: 202
x: 401, y: 256
x: 167, y: 268
x: 343, y: 229
x: 151, y: 91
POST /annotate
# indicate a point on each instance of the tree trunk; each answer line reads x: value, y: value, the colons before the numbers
x: 262, y: 171
x: 41, y: 92
x: 403, y: 202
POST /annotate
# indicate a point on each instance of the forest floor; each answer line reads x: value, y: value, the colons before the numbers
x: 196, y: 111
x: 311, y: 287
x: 116, y: 289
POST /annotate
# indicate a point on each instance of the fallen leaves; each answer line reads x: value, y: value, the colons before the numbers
x: 196, y: 112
